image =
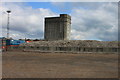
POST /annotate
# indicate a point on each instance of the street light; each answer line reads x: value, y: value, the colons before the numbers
x: 8, y: 24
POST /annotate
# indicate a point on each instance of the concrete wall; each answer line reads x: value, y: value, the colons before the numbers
x: 70, y: 49
x: 74, y: 46
x: 57, y: 28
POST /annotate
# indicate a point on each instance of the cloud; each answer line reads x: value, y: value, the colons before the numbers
x: 90, y: 20
x: 100, y: 23
x: 24, y: 20
x: 60, y: 1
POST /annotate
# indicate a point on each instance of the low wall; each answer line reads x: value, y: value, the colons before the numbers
x: 65, y: 49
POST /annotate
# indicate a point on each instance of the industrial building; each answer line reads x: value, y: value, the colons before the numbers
x: 57, y: 39
x: 57, y: 28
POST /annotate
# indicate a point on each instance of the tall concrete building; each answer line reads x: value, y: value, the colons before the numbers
x: 57, y: 28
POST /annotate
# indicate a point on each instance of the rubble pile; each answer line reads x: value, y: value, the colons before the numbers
x: 73, y: 43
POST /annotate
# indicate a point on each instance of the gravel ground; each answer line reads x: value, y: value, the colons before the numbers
x: 58, y: 65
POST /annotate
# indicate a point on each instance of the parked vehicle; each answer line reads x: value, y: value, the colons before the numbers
x: 7, y: 43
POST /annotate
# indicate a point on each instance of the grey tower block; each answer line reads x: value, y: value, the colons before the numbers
x: 57, y: 28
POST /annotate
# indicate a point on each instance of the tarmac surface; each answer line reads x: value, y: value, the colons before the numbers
x: 58, y: 65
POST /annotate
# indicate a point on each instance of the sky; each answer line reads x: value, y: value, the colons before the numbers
x: 90, y: 20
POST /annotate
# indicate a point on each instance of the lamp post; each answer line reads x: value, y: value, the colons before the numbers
x: 8, y: 23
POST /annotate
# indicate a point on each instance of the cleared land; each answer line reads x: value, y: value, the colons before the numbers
x: 59, y: 65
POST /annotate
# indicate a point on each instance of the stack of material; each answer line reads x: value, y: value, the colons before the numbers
x: 73, y: 43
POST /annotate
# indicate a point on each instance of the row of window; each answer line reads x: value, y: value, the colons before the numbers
x: 75, y: 49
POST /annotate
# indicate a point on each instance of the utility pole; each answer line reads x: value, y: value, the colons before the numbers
x: 8, y: 23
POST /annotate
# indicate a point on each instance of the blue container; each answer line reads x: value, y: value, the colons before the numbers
x: 14, y: 42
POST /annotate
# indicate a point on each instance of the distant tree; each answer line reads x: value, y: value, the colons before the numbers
x: 36, y: 40
x: 28, y: 39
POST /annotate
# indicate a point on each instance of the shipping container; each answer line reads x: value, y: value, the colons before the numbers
x: 14, y: 42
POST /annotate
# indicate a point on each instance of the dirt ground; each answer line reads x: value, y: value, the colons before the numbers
x: 58, y: 65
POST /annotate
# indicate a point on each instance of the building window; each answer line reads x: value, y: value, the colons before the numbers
x: 37, y: 47
x: 84, y: 49
x: 90, y: 50
x: 79, y: 49
x: 99, y: 49
x: 32, y: 47
x: 114, y: 49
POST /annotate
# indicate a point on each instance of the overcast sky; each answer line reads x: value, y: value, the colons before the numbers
x: 90, y: 20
